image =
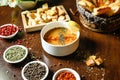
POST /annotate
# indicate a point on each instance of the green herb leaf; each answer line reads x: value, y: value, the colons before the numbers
x: 62, y: 39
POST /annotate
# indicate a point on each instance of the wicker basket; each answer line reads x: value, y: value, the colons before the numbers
x: 98, y: 23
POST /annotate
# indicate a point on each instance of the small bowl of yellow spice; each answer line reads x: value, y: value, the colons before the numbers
x: 15, y: 53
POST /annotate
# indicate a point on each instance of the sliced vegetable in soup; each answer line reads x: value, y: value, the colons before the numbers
x: 60, y: 36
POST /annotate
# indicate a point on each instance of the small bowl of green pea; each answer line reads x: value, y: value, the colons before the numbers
x: 15, y: 54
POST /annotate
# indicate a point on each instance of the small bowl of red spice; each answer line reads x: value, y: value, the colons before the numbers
x: 66, y: 74
x: 8, y: 31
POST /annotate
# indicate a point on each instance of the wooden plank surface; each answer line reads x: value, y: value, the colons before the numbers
x: 104, y: 45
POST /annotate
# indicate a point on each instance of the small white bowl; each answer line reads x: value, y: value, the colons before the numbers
x: 76, y: 75
x: 12, y: 35
x: 16, y: 61
x: 58, y: 50
x: 24, y: 5
x: 32, y: 62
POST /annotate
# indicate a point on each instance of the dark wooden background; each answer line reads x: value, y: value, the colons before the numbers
x: 104, y: 45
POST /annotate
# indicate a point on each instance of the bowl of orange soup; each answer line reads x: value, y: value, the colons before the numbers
x: 59, y: 39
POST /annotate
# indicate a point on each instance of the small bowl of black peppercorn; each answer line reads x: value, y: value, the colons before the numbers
x: 35, y: 70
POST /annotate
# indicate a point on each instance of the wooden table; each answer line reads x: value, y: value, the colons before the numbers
x: 104, y: 45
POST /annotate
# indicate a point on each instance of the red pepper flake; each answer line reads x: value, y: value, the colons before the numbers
x: 66, y: 75
x: 60, y: 64
x: 0, y: 53
x: 51, y: 66
x: 27, y: 42
x: 77, y: 68
x: 20, y: 29
x: 26, y: 46
x: 18, y: 41
x: 33, y: 35
x: 24, y: 40
x: 13, y: 20
x: 30, y: 38
x: 55, y: 65
x: 1, y: 38
x: 8, y: 30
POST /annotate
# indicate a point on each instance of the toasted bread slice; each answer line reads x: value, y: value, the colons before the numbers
x: 104, y: 10
x: 115, y: 7
x: 87, y: 5
x: 95, y: 2
x: 100, y: 3
x: 98, y: 61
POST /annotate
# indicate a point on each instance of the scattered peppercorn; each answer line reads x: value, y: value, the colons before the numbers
x: 20, y: 29
x: 60, y: 64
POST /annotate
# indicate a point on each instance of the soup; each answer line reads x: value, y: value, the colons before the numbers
x: 59, y: 36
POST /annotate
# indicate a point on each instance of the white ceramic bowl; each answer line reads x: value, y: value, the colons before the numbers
x: 12, y: 35
x: 32, y: 62
x: 76, y: 75
x: 16, y: 61
x: 58, y: 50
x: 24, y: 5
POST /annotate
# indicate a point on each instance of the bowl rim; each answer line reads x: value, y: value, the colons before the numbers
x: 37, y: 61
x: 10, y: 36
x: 17, y: 61
x: 77, y: 76
x: 63, y: 22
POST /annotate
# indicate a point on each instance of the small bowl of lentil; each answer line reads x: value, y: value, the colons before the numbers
x: 8, y: 31
x: 66, y: 74
x: 15, y: 53
x: 35, y: 70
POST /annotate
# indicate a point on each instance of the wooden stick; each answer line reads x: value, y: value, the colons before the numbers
x: 73, y: 13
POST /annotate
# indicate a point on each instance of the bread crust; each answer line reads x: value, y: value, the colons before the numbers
x: 101, y: 7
